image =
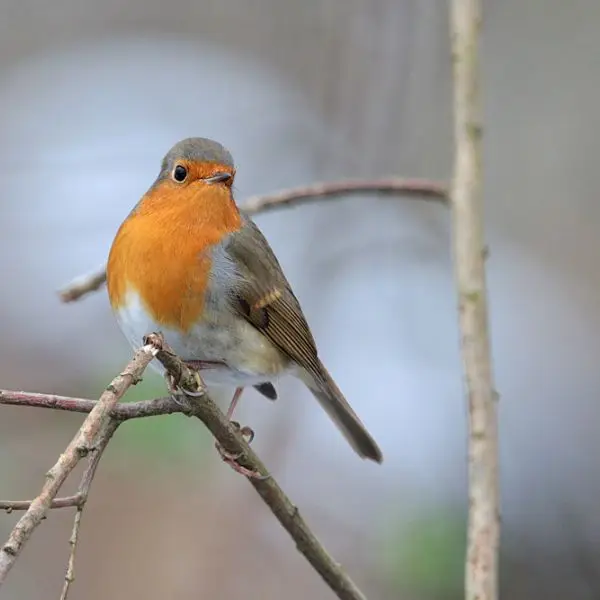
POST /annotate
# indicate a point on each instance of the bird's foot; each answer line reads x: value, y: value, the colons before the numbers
x: 181, y: 395
x: 232, y: 459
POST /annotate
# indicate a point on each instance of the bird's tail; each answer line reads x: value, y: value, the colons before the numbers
x: 336, y: 406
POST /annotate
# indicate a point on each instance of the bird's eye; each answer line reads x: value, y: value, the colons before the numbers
x: 180, y: 173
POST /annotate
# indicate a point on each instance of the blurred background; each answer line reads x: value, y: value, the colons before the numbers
x: 92, y: 94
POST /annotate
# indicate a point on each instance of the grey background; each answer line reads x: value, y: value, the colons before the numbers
x: 93, y: 94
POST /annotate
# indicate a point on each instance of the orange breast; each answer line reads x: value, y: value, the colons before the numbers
x: 162, y: 252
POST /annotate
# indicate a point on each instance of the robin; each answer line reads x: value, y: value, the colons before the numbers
x: 187, y: 262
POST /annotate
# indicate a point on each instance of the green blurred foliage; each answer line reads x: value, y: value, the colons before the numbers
x: 425, y: 553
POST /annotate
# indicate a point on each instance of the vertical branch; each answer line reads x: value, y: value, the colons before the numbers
x: 481, y: 572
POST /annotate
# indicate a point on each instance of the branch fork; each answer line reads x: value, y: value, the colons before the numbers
x: 106, y: 415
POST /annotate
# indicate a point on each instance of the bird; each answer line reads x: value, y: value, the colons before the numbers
x: 187, y: 262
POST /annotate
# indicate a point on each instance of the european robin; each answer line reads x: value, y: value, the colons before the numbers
x: 187, y: 262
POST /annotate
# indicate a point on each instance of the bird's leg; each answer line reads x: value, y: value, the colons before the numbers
x: 234, y: 401
x: 246, y: 432
x: 248, y: 435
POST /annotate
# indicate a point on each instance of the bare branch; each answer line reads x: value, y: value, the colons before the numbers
x: 391, y: 186
x: 66, y: 502
x: 481, y: 573
x: 100, y: 445
x: 79, y: 447
x: 227, y: 436
x: 121, y: 412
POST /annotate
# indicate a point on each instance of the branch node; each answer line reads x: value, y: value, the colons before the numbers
x: 154, y: 342
x: 83, y: 450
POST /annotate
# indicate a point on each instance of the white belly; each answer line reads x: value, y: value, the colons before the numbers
x: 240, y: 343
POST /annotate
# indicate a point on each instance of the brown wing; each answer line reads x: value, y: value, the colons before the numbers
x: 264, y: 297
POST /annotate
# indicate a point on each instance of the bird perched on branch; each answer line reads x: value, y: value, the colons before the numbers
x: 188, y: 263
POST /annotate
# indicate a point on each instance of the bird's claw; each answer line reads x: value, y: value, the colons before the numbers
x: 179, y: 394
x: 199, y: 387
x: 246, y: 432
x: 232, y: 459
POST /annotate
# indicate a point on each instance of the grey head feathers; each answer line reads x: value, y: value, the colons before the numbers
x: 196, y: 150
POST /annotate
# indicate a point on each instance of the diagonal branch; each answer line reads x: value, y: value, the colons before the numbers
x: 79, y: 447
x: 268, y: 489
x: 227, y: 436
x: 120, y: 412
x: 391, y: 186
x: 481, y: 574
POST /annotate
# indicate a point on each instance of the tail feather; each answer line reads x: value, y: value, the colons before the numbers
x: 336, y: 406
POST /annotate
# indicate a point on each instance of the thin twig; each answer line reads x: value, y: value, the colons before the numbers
x: 79, y: 447
x: 66, y: 502
x: 481, y: 570
x: 104, y: 436
x: 391, y: 186
x: 121, y: 412
x: 70, y: 574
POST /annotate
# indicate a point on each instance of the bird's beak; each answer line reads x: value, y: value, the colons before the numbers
x: 218, y: 178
